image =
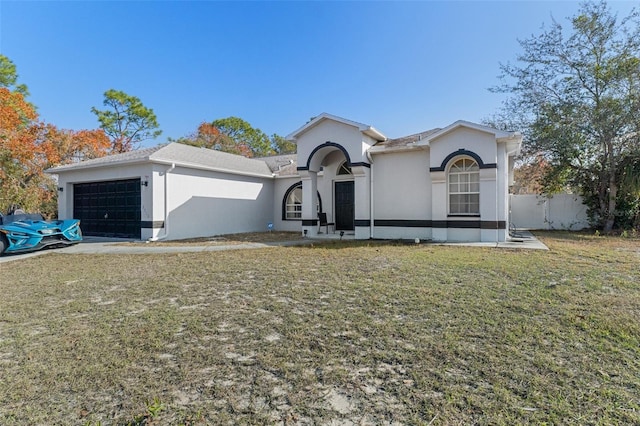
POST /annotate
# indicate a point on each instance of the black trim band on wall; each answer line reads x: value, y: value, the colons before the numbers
x: 465, y: 224
x: 153, y: 224
x: 363, y: 164
x: 470, y: 224
x: 362, y: 222
x: 492, y: 224
x: 463, y: 151
x: 309, y: 222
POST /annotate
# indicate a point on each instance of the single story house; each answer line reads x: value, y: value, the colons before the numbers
x: 445, y: 184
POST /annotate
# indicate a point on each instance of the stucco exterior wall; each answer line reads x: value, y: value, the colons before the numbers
x: 402, y: 186
x: 402, y: 195
x: 205, y: 203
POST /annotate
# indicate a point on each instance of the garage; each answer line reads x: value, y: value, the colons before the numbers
x: 109, y: 208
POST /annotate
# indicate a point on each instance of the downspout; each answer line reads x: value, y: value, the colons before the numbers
x: 498, y: 202
x: 508, y: 154
x: 166, y: 205
x: 370, y: 158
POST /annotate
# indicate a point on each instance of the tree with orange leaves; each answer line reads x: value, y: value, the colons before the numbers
x: 236, y: 136
x: 209, y: 136
x: 29, y: 146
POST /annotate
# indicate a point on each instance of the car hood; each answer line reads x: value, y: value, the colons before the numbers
x: 39, y: 225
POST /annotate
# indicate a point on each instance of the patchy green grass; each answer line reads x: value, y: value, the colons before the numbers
x: 336, y: 334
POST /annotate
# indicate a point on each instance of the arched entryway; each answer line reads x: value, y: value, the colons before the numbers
x: 328, y: 171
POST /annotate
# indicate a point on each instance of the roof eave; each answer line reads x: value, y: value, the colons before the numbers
x: 513, y: 143
x: 499, y: 134
x: 374, y: 133
x: 80, y: 166
x: 211, y: 168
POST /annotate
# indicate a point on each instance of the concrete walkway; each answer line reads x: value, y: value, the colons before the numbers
x: 522, y: 240
x: 98, y: 245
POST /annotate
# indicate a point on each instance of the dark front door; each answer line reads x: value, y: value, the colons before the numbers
x: 108, y: 209
x: 344, y: 201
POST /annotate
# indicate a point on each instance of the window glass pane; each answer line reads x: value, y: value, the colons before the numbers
x: 464, y: 187
x: 293, y: 208
x: 293, y: 204
x: 472, y: 166
x: 296, y: 196
x: 344, y: 169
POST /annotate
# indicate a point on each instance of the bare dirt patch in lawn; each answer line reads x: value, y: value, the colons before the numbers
x: 230, y: 239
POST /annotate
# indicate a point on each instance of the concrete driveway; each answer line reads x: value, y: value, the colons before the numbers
x: 100, y: 245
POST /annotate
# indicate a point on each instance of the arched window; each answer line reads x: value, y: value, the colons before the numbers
x: 464, y: 187
x: 292, y: 203
x: 344, y: 169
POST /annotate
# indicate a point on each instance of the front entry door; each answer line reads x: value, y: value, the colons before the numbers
x: 344, y: 201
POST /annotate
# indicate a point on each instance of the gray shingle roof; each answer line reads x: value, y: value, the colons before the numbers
x: 408, y: 139
x: 210, y: 159
x: 126, y: 157
x: 181, y: 155
x: 282, y: 165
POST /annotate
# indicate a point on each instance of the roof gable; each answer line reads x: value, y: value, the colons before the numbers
x: 498, y: 134
x: 364, y: 128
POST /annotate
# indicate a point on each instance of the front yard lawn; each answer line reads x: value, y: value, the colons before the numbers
x: 339, y: 333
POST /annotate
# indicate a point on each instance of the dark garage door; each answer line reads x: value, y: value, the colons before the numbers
x: 108, y: 209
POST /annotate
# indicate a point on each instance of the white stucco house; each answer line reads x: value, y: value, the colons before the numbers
x: 445, y: 184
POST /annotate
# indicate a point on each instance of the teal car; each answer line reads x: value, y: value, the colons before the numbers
x: 22, y: 232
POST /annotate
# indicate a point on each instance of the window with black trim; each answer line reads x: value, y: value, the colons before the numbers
x: 292, y: 203
x: 464, y: 187
x: 293, y: 206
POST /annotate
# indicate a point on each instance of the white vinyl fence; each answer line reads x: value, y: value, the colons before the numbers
x: 560, y: 211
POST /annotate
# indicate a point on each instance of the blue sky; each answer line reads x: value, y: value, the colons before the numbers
x: 402, y: 67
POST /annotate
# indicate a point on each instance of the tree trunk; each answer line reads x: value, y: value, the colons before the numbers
x: 611, y: 210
